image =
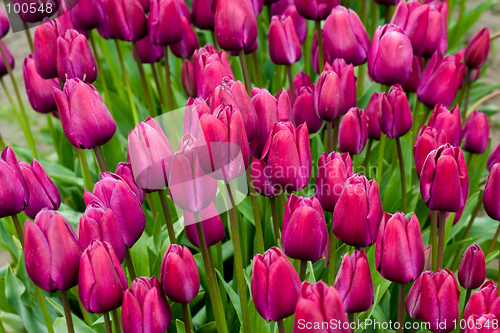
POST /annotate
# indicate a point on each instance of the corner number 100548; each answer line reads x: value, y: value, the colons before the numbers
x: 25, y: 8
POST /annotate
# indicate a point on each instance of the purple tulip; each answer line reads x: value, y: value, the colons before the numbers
x: 261, y: 179
x: 256, y: 5
x: 127, y: 19
x: 413, y: 299
x: 145, y: 307
x: 493, y: 158
x: 14, y: 193
x: 149, y: 53
x: 491, y: 198
x: 303, y: 109
x: 87, y: 14
x: 275, y: 285
x: 476, y: 133
x: 329, y: 97
x: 316, y: 10
x: 472, y: 270
x: 210, y: 67
x: 284, y: 107
x: 348, y: 81
x: 101, y: 280
x: 45, y: 46
x: 105, y: 29
x: 390, y: 57
x: 333, y: 171
x: 345, y: 37
x: 51, y: 252
x: 353, y: 132
x: 483, y: 301
x: 265, y: 106
x: 4, y: 23
x: 302, y: 80
x: 202, y: 15
x: 28, y: 15
x: 179, y: 274
x: 411, y: 85
x: 74, y: 58
x: 287, y: 8
x: 371, y: 111
x: 447, y: 123
x: 124, y: 171
x: 477, y: 50
x: 427, y: 140
x: 358, y: 212
x: 444, y: 181
x: 487, y: 323
x: 394, y: 114
x: 399, y: 254
x: 188, y: 78
x: 284, y: 43
x: 38, y: 89
x: 188, y: 43
x: 195, y: 108
x: 213, y: 227
x: 10, y: 60
x: 85, y: 119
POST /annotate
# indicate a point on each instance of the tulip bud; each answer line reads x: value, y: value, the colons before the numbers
x: 43, y: 191
x: 213, y: 227
x: 275, y: 285
x: 265, y: 106
x: 188, y: 78
x: 124, y: 171
x: 10, y: 60
x: 491, y: 199
x: 319, y: 303
x: 99, y: 224
x: 390, y: 57
x: 353, y: 132
x: 202, y: 15
x: 333, y: 171
x: 45, y: 49
x: 427, y: 141
x: 394, y: 115
x: 261, y: 178
x: 411, y: 85
x: 188, y: 43
x: 347, y: 82
x: 85, y: 119
x: 345, y: 37
x: 472, y: 270
x: 477, y: 50
x: 51, y: 252
x: 235, y: 24
x: 38, y: 89
x: 372, y: 116
x: 303, y: 109
x: 127, y: 19
x: 413, y: 299
x: 179, y: 274
x: 4, y: 23
x: 210, y: 67
x: 358, y: 212
x: 493, y: 158
x: 87, y: 14
x: 302, y: 80
x: 101, y: 280
x: 15, y: 192
x: 145, y: 307
x: 316, y: 10
x: 195, y: 108
x: 74, y: 58
x: 476, y: 133
x: 284, y: 107
x: 447, y: 123
x: 284, y: 43
x: 483, y: 301
x: 112, y: 192
x: 287, y: 8
x: 399, y: 254
x: 328, y: 96
x: 105, y: 29
x: 149, y: 53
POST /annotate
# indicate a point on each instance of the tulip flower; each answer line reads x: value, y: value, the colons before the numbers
x: 210, y: 67
x: 411, y: 85
x: 87, y: 14
x: 413, y: 299
x: 124, y: 171
x: 202, y: 15
x: 247, y: 50
x: 99, y: 224
x: 444, y: 181
x: 439, y: 297
x: 333, y: 171
x: 112, y: 192
x: 483, y: 301
x: 275, y: 285
x: 345, y: 37
x: 127, y: 19
x: 10, y: 60
x: 4, y: 23
x: 195, y: 108
x: 15, y: 193
x: 179, y: 274
x: 188, y: 78
x: 188, y: 43
x: 394, y: 115
x: 283, y: 40
x: 491, y: 198
x: 235, y: 24
x: 316, y: 10
x: 38, y: 89
x: 318, y: 304
x: 303, y: 110
x: 145, y: 307
x: 45, y: 48
x: 493, y: 158
x: 287, y: 8
x: 353, y: 131
x: 149, y: 53
x: 85, y: 119
x: 358, y: 212
x: 440, y: 80
x: 477, y: 50
x: 476, y: 133
x: 261, y: 179
x: 43, y: 191
x: 399, y: 255
x: 390, y: 56
x: 51, y: 252
x: 371, y: 112
x: 265, y: 106
x: 105, y: 29
x: 290, y: 168
x: 447, y: 123
x: 354, y: 282
x: 472, y: 270
x: 345, y: 73
x: 213, y: 227
x: 487, y: 323
x: 427, y: 140
x: 304, y: 229
x: 329, y: 97
x: 74, y: 58
x: 28, y: 15
x: 284, y: 107
x: 302, y: 80
x: 101, y: 280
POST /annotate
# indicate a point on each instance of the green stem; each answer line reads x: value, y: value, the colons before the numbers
x: 493, y: 241
x: 256, y: 69
x: 321, y: 55
x: 87, y: 178
x: 130, y: 264
x: 303, y: 269
x: 336, y: 126
x: 45, y: 311
x: 367, y: 156
x: 214, y: 39
x: 281, y: 326
x: 290, y: 82
x: 459, y: 22
x: 85, y: 314
x: 282, y: 200
x: 145, y: 86
x: 380, y: 161
x: 387, y: 14
x: 166, y: 214
x: 152, y: 205
x: 100, y: 159
x: 19, y: 230
x: 14, y: 108
x: 467, y: 296
x: 462, y: 94
x: 329, y: 136
x: 2, y: 329
x: 403, y: 176
x: 170, y: 102
x: 220, y: 260
x: 53, y: 135
x: 434, y: 239
x: 401, y: 308
x: 107, y: 323
x: 276, y: 223
x: 244, y: 69
x: 28, y: 35
x: 363, y: 12
x: 466, y: 104
x: 424, y: 118
x: 332, y: 263
x: 442, y: 228
x: 2, y: 143
x: 161, y: 79
x: 116, y: 321
x: 350, y: 317
x: 101, y: 74
x: 135, y: 114
x: 415, y: 118
x: 67, y: 311
x: 256, y: 212
x: 374, y: 9
x: 187, y: 318
x: 306, y: 54
x: 361, y: 78
x: 158, y: 85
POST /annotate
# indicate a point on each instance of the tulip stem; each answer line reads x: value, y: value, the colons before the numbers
x: 130, y: 264
x: 220, y: 260
x: 127, y: 84
x: 321, y: 54
x: 147, y: 94
x: 282, y: 201
x: 442, y: 228
x: 238, y: 260
x: 424, y: 118
x: 116, y: 321
x: 45, y: 311
x: 52, y: 132
x: 19, y: 230
x: 214, y: 39
x: 361, y: 75
x: 170, y: 102
x: 2, y: 143
x: 403, y: 176
x: 28, y: 35
x: 244, y: 69
x: 256, y: 69
x: 481, y: 102
x: 85, y: 314
x: 401, y: 308
x: 329, y: 136
x: 387, y: 14
x: 303, y: 270
x: 367, y: 156
x: 281, y: 326
x: 493, y: 241
x: 290, y: 82
x: 158, y: 85
x: 416, y: 111
x: 185, y: 313
x: 336, y: 126
x: 107, y: 323
x: 494, y: 36
x: 256, y: 212
x: 87, y: 178
x: 152, y: 205
x: 100, y: 73
x: 331, y: 262
x: 276, y: 223
x: 100, y: 159
x: 306, y: 54
x: 14, y: 108
x: 434, y: 241
x: 363, y: 12
x: 380, y: 161
x: 166, y: 214
x: 67, y: 311
x: 350, y: 316
x: 467, y: 296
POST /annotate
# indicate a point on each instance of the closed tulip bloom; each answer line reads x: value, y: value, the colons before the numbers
x: 179, y: 274
x: 266, y: 108
x: 195, y: 108
x: 414, y: 299
x: 345, y: 73
x: 477, y: 50
x: 51, y: 252
x: 491, y: 197
x: 149, y: 53
x: 353, y: 132
x: 399, y: 254
x: 105, y: 29
x: 99, y: 224
x: 202, y: 14
x: 476, y: 133
x: 354, y: 282
x: 188, y: 78
x: 483, y: 301
x: 256, y: 6
x: 440, y: 80
x: 28, y: 15
x: 145, y: 307
x: 127, y: 19
x: 439, y: 297
x: 261, y: 178
x: 345, y: 37
x: 447, y: 123
x: 287, y: 8
x: 284, y: 107
x: 333, y: 171
x: 213, y: 227
x: 235, y: 24
x: 472, y: 270
x: 74, y: 58
x: 304, y: 229
x: 487, y: 323
x: 285, y: 45
x: 101, y: 280
x: 4, y: 23
x: 302, y: 80
x: 444, y: 181
x: 85, y: 119
x: 45, y: 49
x: 188, y: 43
x: 390, y: 57
x: 317, y: 304
x: 436, y: 39
x: 395, y: 115
x: 14, y: 193
x: 10, y: 60
x: 43, y: 191
x: 38, y: 89
x: 316, y: 10
x: 411, y: 85
x: 87, y: 14
x: 303, y: 110
x: 124, y: 171
x: 427, y: 140
x: 493, y: 158
x: 112, y: 192
x: 275, y: 285
x: 210, y: 67
x: 329, y: 97
x: 371, y: 111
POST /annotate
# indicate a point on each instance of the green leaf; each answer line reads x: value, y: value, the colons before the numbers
x: 245, y: 208
x: 60, y: 323
x: 233, y: 296
x: 207, y: 328
x: 492, y: 256
x: 257, y: 323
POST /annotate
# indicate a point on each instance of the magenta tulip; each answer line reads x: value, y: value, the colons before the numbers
x: 353, y: 132
x: 394, y: 114
x: 472, y: 270
x: 284, y: 43
x: 213, y: 227
x: 127, y: 19
x: 210, y: 67
x: 14, y: 193
x: 38, y: 89
x: 74, y: 58
x: 235, y: 24
x: 476, y: 133
x: 477, y: 50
